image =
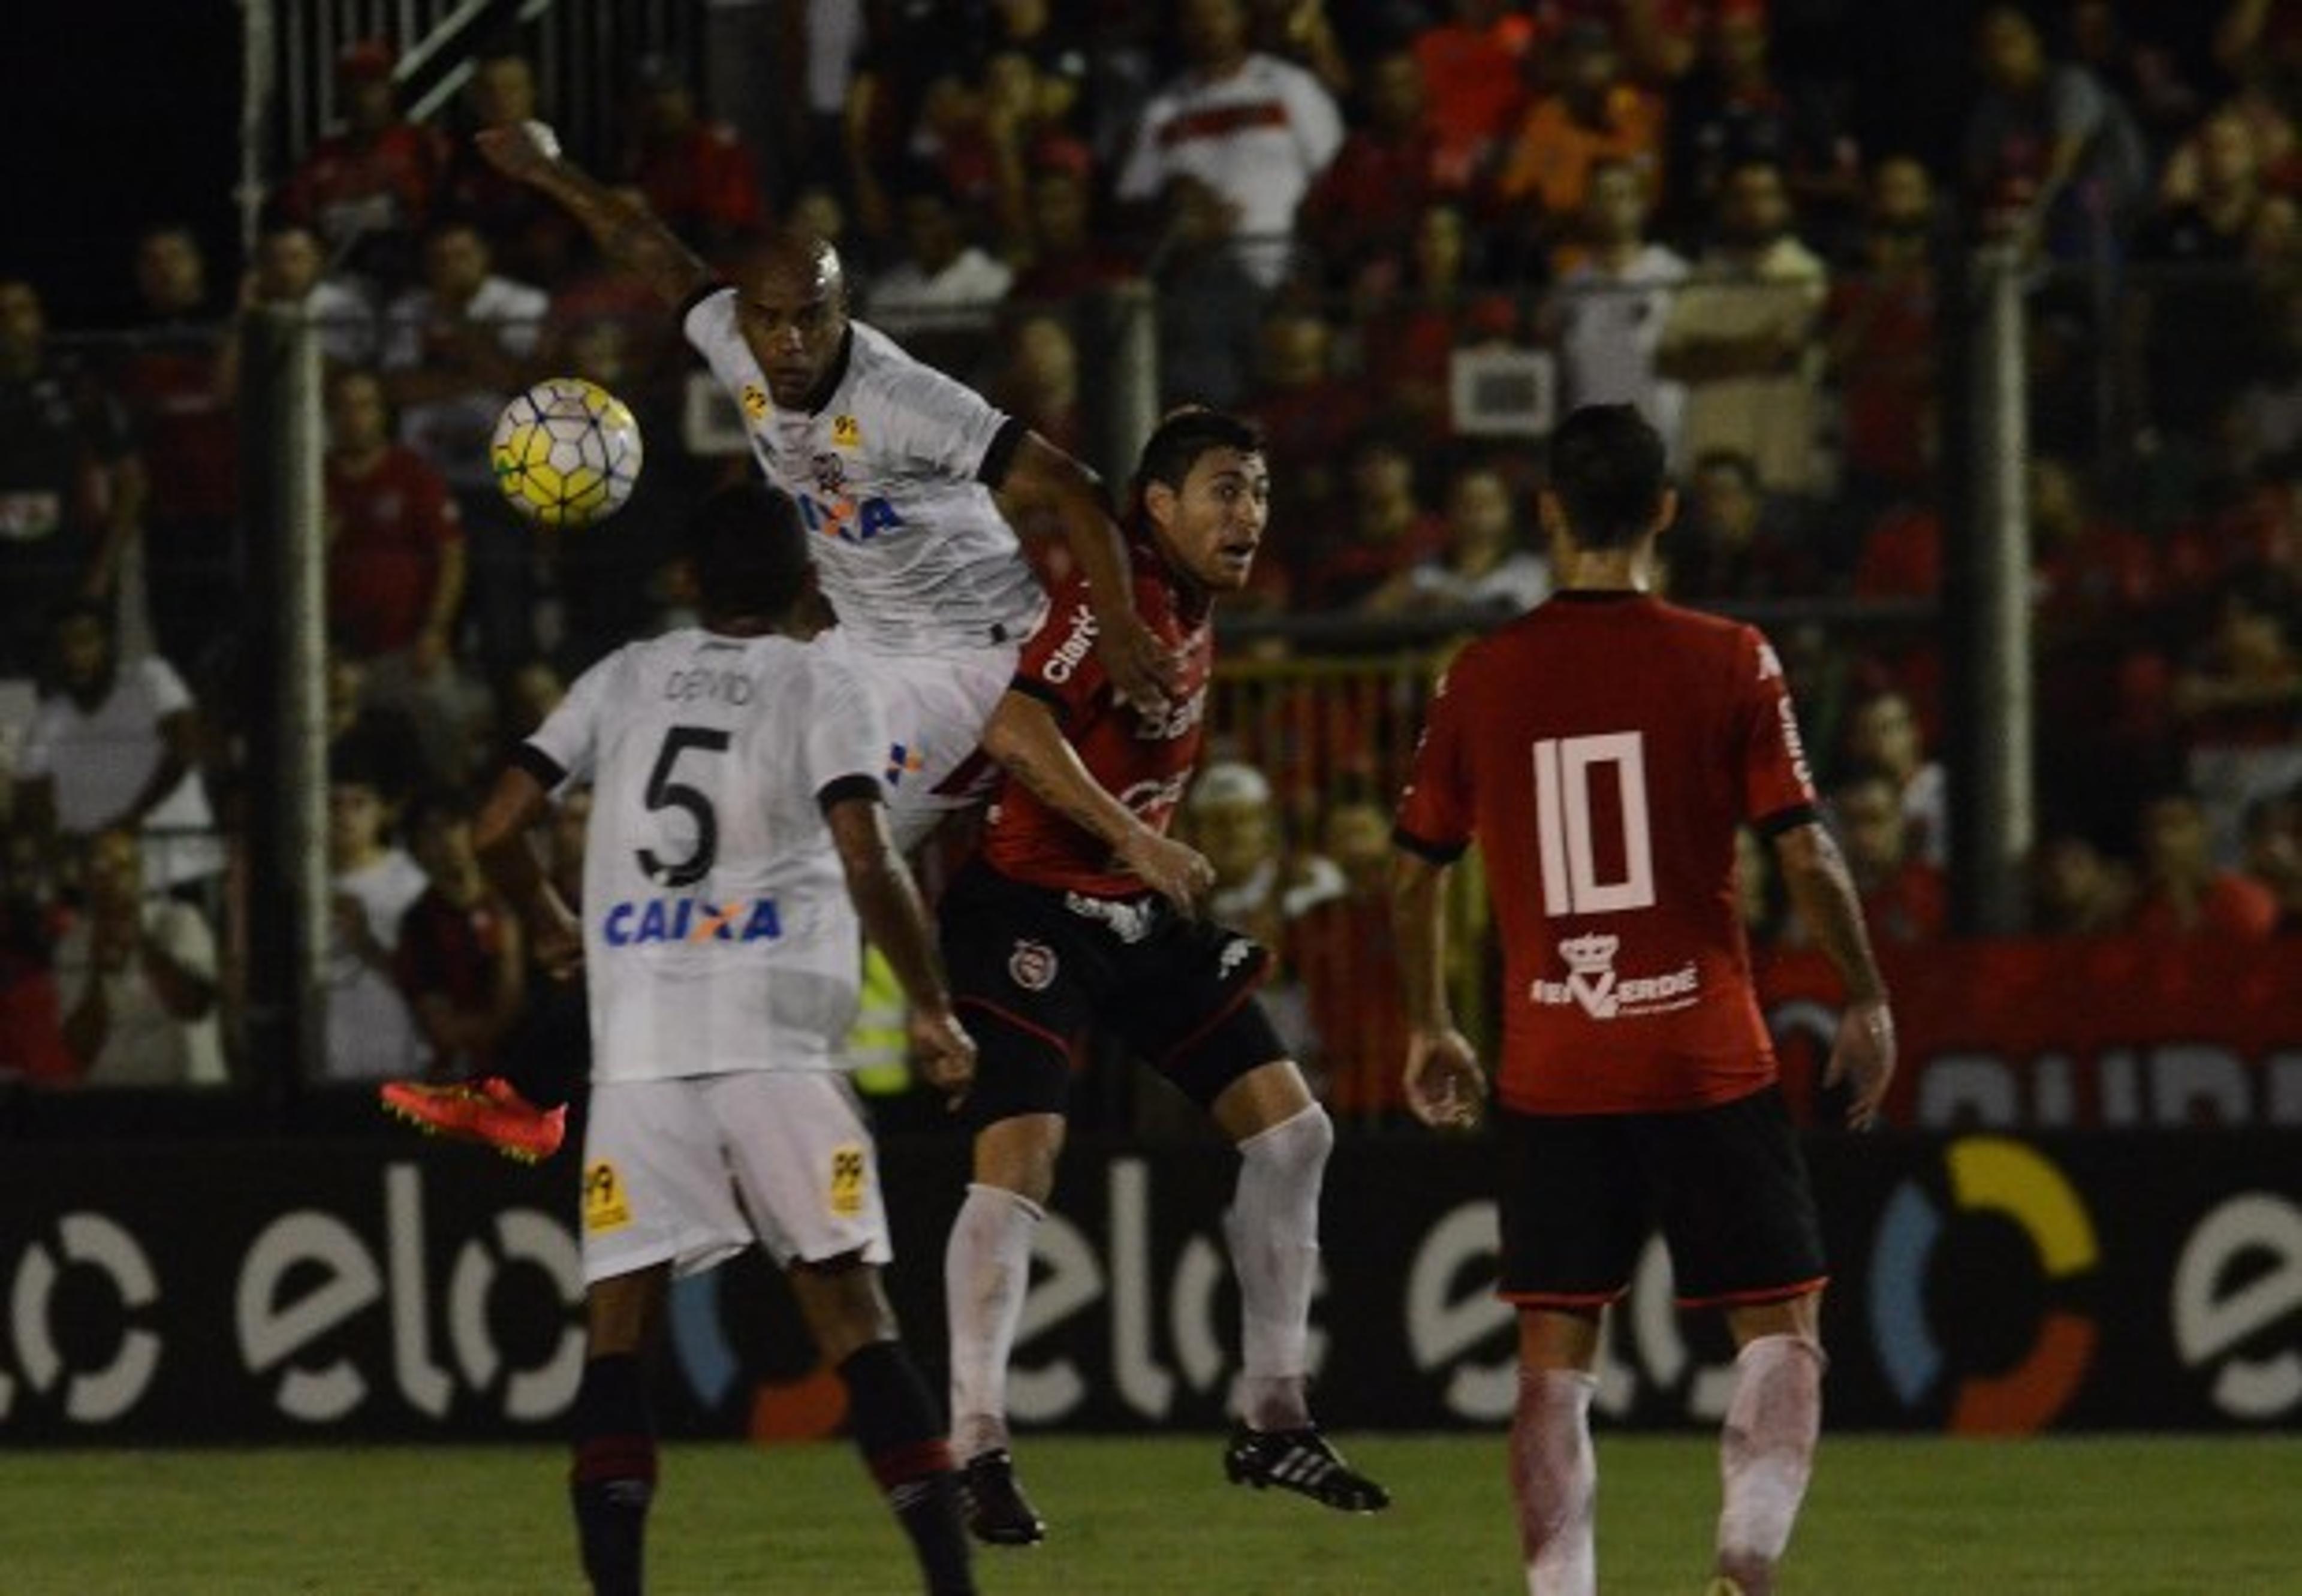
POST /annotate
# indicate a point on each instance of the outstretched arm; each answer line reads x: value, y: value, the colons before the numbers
x: 626, y: 233
x: 1863, y: 1052
x: 1146, y: 672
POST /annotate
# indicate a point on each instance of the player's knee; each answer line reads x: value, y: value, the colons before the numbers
x: 843, y: 1303
x: 1298, y: 1146
x: 1018, y: 1154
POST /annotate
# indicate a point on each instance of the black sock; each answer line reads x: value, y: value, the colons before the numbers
x: 613, y: 1478
x: 905, y: 1449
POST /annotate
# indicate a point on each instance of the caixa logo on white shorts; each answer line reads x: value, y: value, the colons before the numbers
x: 1592, y: 984
x: 1032, y: 966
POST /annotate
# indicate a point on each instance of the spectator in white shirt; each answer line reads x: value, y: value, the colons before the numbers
x: 115, y: 745
x: 371, y: 1031
x: 1255, y: 129
x: 942, y: 286
x: 137, y: 976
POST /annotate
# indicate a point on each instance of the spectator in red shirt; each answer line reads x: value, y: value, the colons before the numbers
x: 1475, y: 70
x: 1735, y: 540
x: 533, y: 239
x: 395, y: 565
x: 369, y: 189
x: 1904, y: 898
x: 461, y: 960
x: 1881, y: 324
x: 697, y: 174
x: 1066, y: 254
x: 2236, y: 703
x: 1385, y: 528
x: 1362, y: 210
x: 1343, y: 951
x: 2274, y: 853
x: 2076, y: 890
x: 2184, y: 893
x: 31, y: 1005
x: 176, y: 387
x: 1308, y: 413
x: 1410, y: 335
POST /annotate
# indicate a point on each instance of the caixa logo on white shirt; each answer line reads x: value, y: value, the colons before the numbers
x: 1592, y: 984
x: 690, y: 920
x: 850, y: 520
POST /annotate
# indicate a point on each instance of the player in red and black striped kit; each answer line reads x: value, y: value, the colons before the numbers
x: 1602, y: 751
x: 1079, y: 915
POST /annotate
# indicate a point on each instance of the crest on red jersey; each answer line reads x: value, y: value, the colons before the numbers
x: 1032, y: 966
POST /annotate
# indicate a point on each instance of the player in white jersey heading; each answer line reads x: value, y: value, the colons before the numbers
x: 899, y: 471
x: 899, y: 474
x: 737, y: 851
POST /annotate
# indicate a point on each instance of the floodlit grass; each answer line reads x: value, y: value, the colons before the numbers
x: 2101, y: 1517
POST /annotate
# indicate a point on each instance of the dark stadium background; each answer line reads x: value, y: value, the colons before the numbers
x: 123, y: 113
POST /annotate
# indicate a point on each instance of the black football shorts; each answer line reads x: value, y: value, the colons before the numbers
x: 1035, y: 970
x: 1726, y: 1185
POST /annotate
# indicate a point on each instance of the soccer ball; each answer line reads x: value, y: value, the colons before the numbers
x: 565, y: 453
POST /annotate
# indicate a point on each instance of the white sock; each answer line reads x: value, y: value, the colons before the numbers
x: 1274, y: 1231
x: 986, y: 1268
x: 1766, y: 1453
x: 1555, y: 1482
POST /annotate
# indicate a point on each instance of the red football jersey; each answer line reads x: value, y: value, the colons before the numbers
x: 1144, y: 760
x: 1602, y: 751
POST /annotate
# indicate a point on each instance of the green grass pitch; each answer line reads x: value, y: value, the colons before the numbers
x: 2097, y: 1516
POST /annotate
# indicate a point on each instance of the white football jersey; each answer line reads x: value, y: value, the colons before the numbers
x: 912, y: 549
x: 717, y: 931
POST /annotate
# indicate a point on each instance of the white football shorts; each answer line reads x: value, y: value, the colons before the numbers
x: 692, y: 1170
x: 935, y: 706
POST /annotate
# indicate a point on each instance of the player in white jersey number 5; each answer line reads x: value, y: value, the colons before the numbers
x: 737, y: 837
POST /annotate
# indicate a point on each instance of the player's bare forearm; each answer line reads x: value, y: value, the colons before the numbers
x: 1142, y: 667
x: 1420, y: 931
x: 1814, y: 872
x: 1023, y: 736
x: 627, y: 233
x: 1043, y: 475
x: 887, y: 900
x: 499, y: 838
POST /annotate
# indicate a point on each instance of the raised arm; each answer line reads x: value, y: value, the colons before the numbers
x: 1144, y: 670
x: 887, y: 900
x: 1862, y: 1055
x: 627, y: 233
x: 1023, y: 736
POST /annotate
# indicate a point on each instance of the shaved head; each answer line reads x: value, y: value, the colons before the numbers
x: 791, y: 305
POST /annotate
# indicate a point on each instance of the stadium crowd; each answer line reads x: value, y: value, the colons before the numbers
x: 1358, y: 221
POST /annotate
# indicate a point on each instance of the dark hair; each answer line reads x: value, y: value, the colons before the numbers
x: 750, y: 554
x: 1177, y: 442
x: 1608, y: 470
